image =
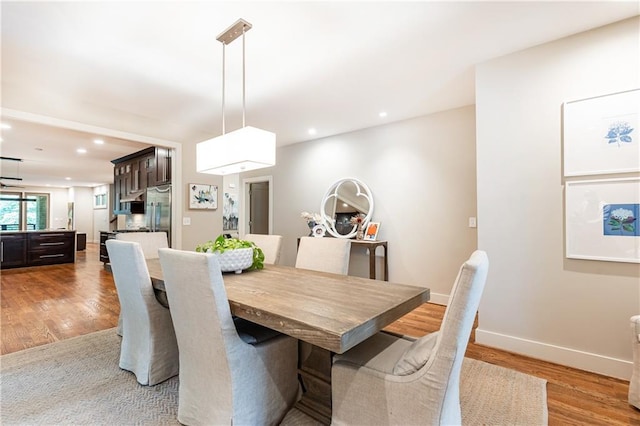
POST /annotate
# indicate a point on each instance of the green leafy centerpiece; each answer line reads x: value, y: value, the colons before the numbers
x: 234, y: 254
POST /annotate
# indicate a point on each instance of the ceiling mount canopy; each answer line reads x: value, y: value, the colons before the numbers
x: 247, y: 148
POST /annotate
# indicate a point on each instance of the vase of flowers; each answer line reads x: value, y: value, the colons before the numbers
x: 358, y: 221
x: 312, y: 219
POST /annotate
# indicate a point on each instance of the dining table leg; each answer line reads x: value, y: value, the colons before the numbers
x: 314, y: 372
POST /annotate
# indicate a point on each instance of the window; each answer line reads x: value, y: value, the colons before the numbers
x: 21, y: 211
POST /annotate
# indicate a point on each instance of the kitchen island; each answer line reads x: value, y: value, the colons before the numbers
x: 34, y: 248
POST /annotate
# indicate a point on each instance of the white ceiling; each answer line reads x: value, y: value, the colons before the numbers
x: 154, y: 69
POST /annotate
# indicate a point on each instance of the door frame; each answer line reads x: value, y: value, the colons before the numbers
x: 245, y: 201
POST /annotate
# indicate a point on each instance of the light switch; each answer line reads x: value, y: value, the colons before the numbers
x: 472, y: 222
x: 186, y: 221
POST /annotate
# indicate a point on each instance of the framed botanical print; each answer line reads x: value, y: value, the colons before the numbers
x: 601, y: 134
x: 601, y: 219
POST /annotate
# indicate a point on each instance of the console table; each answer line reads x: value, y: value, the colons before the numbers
x: 372, y: 246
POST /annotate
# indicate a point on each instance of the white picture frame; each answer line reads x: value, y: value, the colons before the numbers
x: 601, y: 135
x: 596, y: 212
x: 371, y: 233
x: 203, y: 196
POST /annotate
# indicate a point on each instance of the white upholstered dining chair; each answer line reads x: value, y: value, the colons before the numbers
x: 397, y: 381
x: 150, y: 242
x: 271, y: 246
x: 232, y: 371
x: 149, y: 348
x: 324, y: 254
x: 634, y: 383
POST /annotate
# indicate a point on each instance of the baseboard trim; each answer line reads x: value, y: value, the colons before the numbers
x: 587, y: 361
x: 439, y: 299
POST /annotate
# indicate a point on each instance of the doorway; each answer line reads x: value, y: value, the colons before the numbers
x: 258, y: 212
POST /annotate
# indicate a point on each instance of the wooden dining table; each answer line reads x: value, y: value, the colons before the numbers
x: 331, y: 312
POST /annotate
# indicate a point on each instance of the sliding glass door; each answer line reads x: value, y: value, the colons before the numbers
x: 23, y: 211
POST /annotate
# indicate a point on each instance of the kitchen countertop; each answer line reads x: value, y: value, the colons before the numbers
x: 37, y: 230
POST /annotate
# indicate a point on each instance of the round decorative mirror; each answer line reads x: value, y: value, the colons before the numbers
x: 345, y: 199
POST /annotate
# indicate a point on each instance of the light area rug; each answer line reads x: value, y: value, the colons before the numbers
x: 78, y: 382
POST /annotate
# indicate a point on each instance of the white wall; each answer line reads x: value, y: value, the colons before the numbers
x: 83, y: 210
x: 537, y: 302
x: 422, y: 175
x: 204, y: 224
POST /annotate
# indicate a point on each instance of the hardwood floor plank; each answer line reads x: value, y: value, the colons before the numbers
x: 40, y: 305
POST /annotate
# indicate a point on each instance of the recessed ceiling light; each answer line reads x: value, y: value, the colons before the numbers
x: 98, y: 141
x: 382, y: 114
x: 312, y: 131
x: 5, y: 126
x: 81, y: 151
x: 67, y: 178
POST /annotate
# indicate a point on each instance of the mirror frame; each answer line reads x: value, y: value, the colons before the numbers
x: 362, y: 190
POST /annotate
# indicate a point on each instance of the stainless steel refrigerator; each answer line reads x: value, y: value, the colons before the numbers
x: 158, y: 209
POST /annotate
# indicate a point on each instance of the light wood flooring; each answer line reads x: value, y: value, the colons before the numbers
x: 45, y: 304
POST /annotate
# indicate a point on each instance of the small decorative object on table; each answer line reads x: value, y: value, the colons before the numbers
x: 312, y: 219
x: 234, y: 254
x: 319, y: 230
x: 358, y: 220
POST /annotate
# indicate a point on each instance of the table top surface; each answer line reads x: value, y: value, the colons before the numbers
x: 334, y: 312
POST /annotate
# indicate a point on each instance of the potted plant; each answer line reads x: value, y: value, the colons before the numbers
x: 234, y: 254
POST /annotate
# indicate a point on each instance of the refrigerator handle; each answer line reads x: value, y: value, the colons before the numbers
x: 153, y: 218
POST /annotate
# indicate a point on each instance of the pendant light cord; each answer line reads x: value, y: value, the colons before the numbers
x: 223, y: 68
x: 243, y: 79
x: 224, y: 44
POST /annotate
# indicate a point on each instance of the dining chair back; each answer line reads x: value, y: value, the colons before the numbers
x: 149, y: 348
x: 149, y: 241
x: 271, y: 246
x: 394, y: 380
x: 324, y: 254
x: 229, y: 373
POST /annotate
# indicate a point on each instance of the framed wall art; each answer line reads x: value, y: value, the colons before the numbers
x: 203, y: 196
x: 601, y: 134
x: 230, y: 212
x: 601, y: 219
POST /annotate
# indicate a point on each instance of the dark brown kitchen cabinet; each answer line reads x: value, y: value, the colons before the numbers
x: 104, y: 254
x: 18, y: 249
x: 48, y: 248
x: 136, y: 172
x: 163, y: 166
x: 13, y: 250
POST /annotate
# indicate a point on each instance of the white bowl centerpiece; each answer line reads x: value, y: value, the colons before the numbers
x: 234, y: 255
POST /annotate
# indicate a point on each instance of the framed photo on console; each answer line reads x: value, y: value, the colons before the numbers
x: 371, y: 233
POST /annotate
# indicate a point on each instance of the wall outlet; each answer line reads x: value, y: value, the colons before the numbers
x: 472, y: 222
x: 186, y: 221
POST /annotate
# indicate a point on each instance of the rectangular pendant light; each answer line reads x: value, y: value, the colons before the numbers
x: 245, y: 149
